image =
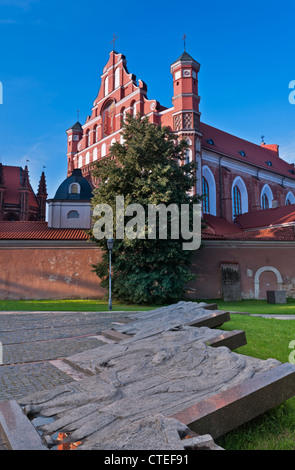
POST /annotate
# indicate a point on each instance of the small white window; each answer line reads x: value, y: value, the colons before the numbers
x: 95, y: 154
x: 103, y: 150
x: 74, y: 188
x: 87, y: 160
x: 80, y: 161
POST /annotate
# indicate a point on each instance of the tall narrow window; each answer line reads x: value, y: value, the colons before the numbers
x: 108, y: 116
x: 94, y: 140
x: 87, y: 140
x: 106, y: 86
x: 237, y: 202
x: 117, y: 77
x: 265, y: 203
x: 206, y: 202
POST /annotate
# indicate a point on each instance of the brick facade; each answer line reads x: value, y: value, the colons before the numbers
x: 227, y: 156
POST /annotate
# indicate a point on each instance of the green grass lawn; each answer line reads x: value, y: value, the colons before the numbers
x: 249, y: 306
x: 256, y: 306
x: 274, y: 430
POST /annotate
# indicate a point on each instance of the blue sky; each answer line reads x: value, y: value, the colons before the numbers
x: 52, y: 55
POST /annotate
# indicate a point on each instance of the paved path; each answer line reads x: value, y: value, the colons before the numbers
x: 264, y: 315
x: 33, y: 341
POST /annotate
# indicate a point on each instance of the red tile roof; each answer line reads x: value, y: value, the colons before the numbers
x: 268, y: 217
x: 38, y: 231
x: 219, y: 226
x: 257, y: 155
x: 265, y: 225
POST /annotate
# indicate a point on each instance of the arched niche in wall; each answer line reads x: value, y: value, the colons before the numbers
x: 239, y: 194
x: 209, y: 178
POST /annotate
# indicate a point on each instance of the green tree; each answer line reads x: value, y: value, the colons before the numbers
x: 145, y: 169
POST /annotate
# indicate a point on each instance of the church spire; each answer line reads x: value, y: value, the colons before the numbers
x: 24, y: 194
x: 42, y: 189
x: 41, y: 197
x: 25, y: 178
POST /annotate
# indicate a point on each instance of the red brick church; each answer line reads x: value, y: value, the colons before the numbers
x: 18, y: 202
x: 234, y: 176
x: 248, y: 197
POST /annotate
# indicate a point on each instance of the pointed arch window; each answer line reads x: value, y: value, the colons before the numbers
x: 266, y: 197
x: 265, y: 202
x: 206, y: 200
x: 239, y: 193
x: 237, y: 202
x: 290, y: 198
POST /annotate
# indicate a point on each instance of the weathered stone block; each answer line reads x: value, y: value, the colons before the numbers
x: 17, y: 431
x: 276, y: 297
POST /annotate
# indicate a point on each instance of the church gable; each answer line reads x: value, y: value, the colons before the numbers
x: 120, y: 93
x: 17, y: 198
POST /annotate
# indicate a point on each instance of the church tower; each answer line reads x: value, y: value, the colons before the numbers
x: 75, y: 134
x: 186, y: 114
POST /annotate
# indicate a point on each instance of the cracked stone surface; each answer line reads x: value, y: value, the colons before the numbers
x: 161, y: 370
x: 163, y: 318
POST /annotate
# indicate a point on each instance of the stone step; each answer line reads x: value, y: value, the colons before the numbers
x: 17, y: 431
x: 221, y: 413
x: 213, y: 320
x: 114, y: 335
x: 231, y: 339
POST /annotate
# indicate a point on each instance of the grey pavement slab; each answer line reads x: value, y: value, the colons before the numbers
x: 22, y: 379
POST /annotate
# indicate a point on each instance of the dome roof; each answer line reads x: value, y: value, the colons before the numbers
x: 68, y: 191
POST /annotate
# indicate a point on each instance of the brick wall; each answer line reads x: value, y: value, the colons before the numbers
x: 48, y: 271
